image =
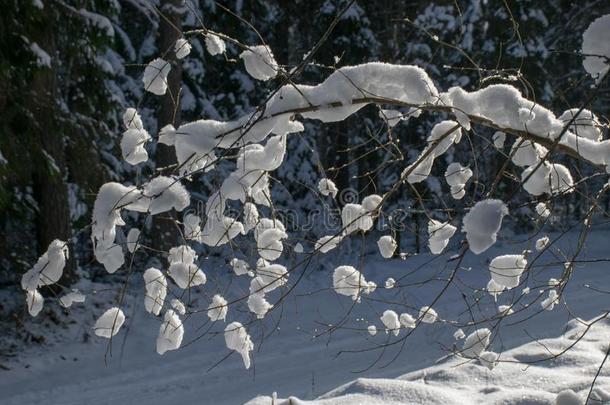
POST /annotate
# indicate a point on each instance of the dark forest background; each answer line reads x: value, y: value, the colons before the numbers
x: 69, y: 68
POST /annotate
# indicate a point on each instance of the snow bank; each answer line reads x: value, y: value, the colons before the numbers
x: 492, y: 379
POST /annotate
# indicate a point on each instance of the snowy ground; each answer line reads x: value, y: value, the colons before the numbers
x: 290, y: 362
x: 456, y: 382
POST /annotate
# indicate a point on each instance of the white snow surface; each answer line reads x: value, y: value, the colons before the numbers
x: 74, y: 372
x: 456, y: 382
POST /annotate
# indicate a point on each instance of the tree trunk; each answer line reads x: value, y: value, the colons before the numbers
x: 165, y: 234
x: 50, y: 189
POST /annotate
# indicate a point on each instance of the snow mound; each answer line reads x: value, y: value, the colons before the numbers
x: 565, y: 381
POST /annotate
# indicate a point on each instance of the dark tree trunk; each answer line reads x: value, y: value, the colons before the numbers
x: 50, y: 189
x: 165, y: 234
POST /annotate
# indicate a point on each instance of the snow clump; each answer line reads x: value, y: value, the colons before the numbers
x: 482, y: 224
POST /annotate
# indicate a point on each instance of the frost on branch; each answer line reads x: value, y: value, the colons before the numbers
x: 407, y: 321
x: 164, y: 193
x: 240, y: 267
x: 182, y: 48
x: 584, y: 124
x: 268, y: 277
x: 459, y: 334
x: 214, y: 44
x: 494, y: 289
x: 443, y: 135
x: 542, y: 210
x: 34, y: 302
x: 156, y: 290
x: 506, y: 270
x: 192, y: 228
x: 542, y: 243
x: 391, y: 321
x: 392, y: 117
x: 259, y: 62
x: 549, y: 302
x: 155, y: 76
x: 526, y: 153
x: 457, y: 176
x: 348, y: 281
x: 596, y: 47
x: 171, y: 333
x: 182, y: 267
x: 218, y: 308
x: 427, y: 315
x: 387, y: 246
x: 489, y: 359
x: 132, y: 146
x: 178, y: 306
x: 269, y: 243
x: 269, y: 234
x: 476, y: 343
x: 161, y: 194
x: 132, y: 240
x: 73, y: 296
x: 482, y: 224
x: 327, y: 187
x: 109, y: 323
x: 439, y: 235
x: 236, y: 338
x: 257, y: 304
x: 549, y: 178
x: 327, y: 243
x: 49, y: 267
x: 132, y: 120
x: 251, y: 216
x: 503, y: 105
x: 498, y: 139
x: 355, y: 218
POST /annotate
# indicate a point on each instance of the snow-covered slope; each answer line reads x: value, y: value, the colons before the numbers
x: 511, y: 382
x: 290, y: 361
